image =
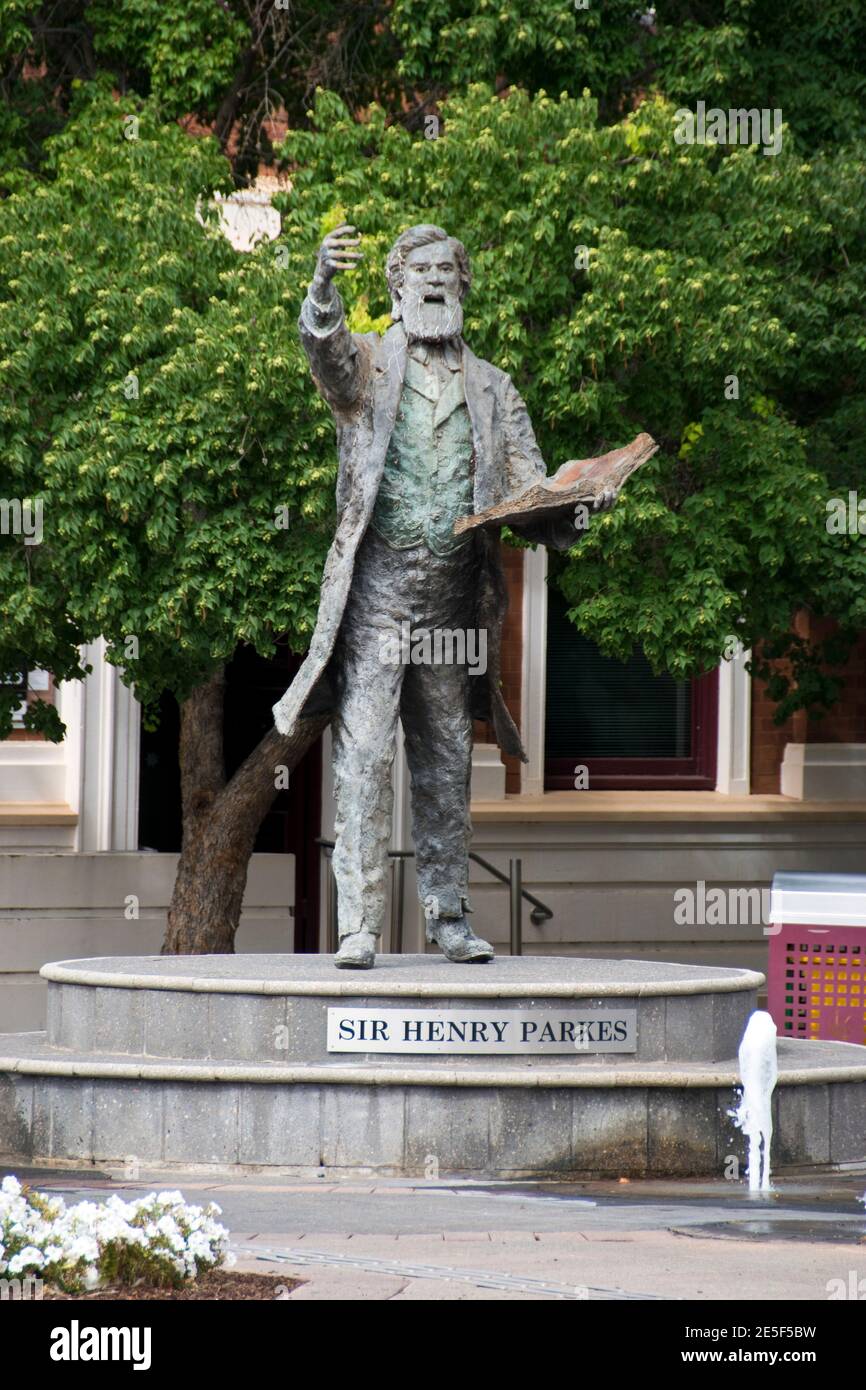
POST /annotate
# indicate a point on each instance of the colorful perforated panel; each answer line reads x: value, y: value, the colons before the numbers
x: 817, y: 983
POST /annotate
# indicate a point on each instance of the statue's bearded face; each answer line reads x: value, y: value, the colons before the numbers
x: 430, y: 294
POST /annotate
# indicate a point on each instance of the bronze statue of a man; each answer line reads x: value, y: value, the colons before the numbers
x: 427, y: 433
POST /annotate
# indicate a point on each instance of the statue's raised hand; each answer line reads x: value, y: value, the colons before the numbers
x: 335, y: 254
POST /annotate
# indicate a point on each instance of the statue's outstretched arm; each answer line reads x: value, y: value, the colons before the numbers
x: 335, y: 359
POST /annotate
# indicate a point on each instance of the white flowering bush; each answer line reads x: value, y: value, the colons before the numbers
x: 158, y: 1238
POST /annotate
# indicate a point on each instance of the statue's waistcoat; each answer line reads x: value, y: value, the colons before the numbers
x: 427, y: 480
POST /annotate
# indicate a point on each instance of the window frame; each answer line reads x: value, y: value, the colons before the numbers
x: 695, y: 773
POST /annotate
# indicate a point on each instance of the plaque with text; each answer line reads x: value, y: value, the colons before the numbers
x: 482, y: 1031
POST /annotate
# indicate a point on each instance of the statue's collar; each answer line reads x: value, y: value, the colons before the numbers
x: 450, y: 352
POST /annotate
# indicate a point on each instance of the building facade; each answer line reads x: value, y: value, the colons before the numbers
x: 672, y: 792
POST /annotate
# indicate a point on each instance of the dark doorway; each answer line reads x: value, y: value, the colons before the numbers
x: 159, y: 821
x: 253, y: 685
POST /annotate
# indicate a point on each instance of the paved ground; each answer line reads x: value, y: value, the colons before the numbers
x: 405, y: 1240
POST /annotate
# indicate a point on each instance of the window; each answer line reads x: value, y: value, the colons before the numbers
x: 28, y: 686
x: 627, y: 727
x: 16, y: 681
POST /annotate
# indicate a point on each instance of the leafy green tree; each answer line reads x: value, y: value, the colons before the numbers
x: 235, y: 65
x: 791, y: 54
x: 721, y: 310
x: 156, y: 399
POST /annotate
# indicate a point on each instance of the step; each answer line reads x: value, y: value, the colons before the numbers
x: 608, y: 1120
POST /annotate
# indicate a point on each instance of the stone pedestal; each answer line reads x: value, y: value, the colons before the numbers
x: 224, y: 1060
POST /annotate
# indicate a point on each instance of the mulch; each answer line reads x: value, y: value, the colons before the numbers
x: 215, y: 1284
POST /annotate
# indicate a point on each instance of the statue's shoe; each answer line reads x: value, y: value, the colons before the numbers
x: 357, y: 951
x: 457, y: 941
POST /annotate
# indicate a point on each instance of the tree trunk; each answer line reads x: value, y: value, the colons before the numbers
x: 221, y: 820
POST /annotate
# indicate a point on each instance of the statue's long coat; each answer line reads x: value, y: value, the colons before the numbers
x: 361, y: 378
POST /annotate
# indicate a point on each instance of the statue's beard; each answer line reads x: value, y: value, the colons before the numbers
x: 431, y: 320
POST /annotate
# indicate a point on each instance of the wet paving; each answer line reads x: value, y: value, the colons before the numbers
x: 830, y: 1232
x: 822, y: 1207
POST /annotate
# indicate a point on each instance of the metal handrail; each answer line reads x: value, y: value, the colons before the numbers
x: 540, y: 912
x: 514, y: 879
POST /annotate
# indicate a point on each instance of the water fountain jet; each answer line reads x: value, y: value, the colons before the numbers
x: 759, y: 1070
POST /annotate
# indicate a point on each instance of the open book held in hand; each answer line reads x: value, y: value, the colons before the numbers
x: 579, y: 480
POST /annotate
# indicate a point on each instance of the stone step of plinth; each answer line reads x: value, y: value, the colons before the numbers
x: 800, y: 1063
x: 506, y: 1069
x: 274, y: 1009
x: 612, y: 1119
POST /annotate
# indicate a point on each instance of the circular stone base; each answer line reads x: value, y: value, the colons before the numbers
x: 223, y: 1060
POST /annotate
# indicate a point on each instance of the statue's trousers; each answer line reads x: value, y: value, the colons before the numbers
x: 383, y: 672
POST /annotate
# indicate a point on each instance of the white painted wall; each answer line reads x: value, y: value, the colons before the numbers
x: 611, y: 884
x: 733, y: 766
x: 103, y: 720
x: 67, y: 906
x: 824, y: 771
x: 534, y: 682
x: 93, y: 773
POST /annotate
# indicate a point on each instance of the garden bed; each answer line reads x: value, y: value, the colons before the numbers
x: 214, y: 1284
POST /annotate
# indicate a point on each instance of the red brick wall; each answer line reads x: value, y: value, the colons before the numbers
x: 844, y: 723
